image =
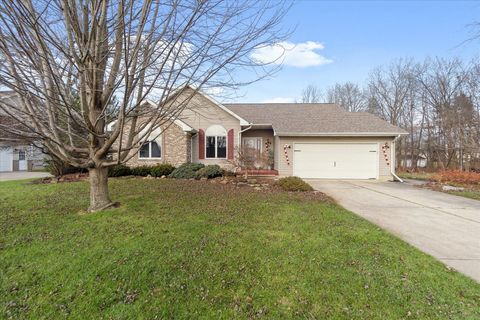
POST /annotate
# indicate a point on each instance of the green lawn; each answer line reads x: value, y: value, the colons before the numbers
x: 472, y: 194
x: 191, y: 249
x: 415, y: 175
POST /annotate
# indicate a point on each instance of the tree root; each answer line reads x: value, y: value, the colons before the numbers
x: 104, y: 207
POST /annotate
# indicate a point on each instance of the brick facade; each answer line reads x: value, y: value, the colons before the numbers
x: 175, y: 145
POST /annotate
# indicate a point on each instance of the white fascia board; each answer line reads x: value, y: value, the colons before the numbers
x: 185, y: 127
x: 340, y: 134
x: 260, y: 124
x: 110, y: 125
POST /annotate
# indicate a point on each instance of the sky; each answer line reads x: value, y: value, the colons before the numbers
x: 340, y: 41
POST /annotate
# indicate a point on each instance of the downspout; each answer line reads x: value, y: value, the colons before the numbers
x: 392, y: 164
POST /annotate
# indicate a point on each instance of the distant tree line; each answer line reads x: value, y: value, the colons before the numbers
x: 437, y: 101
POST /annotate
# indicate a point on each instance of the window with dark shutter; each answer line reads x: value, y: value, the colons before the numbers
x: 216, y: 142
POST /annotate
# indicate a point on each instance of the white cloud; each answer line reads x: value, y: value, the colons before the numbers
x: 213, y: 91
x: 300, y: 55
x: 279, y: 100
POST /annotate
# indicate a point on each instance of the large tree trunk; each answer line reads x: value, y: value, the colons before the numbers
x: 99, y: 197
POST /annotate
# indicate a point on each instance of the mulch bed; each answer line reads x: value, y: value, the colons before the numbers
x: 257, y: 184
x: 438, y: 186
x: 72, y: 177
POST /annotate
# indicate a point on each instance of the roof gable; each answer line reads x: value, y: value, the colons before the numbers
x: 212, y: 101
x: 243, y: 122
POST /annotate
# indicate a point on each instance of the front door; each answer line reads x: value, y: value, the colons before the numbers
x: 253, y: 143
x: 22, y: 161
x: 252, y: 152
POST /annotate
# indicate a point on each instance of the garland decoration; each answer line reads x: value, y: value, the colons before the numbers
x: 267, y: 145
x: 385, y: 148
x: 285, y: 147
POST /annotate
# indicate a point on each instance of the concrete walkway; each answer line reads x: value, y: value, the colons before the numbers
x: 442, y: 225
x: 21, y: 175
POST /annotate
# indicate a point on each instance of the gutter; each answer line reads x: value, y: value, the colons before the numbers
x: 339, y: 134
x: 392, y: 165
x: 240, y: 134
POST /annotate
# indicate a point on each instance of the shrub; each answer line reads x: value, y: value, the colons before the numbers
x: 228, y: 173
x: 162, y: 170
x: 293, y: 184
x: 119, y: 170
x: 142, y: 171
x: 457, y: 177
x: 58, y: 168
x: 186, y: 171
x: 209, y: 172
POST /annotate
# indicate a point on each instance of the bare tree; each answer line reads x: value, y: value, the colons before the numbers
x: 442, y: 83
x: 347, y: 95
x: 390, y: 87
x: 311, y: 94
x: 437, y: 102
x: 77, y: 65
x: 473, y: 92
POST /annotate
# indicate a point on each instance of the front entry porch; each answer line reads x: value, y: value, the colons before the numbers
x: 256, y: 154
x: 258, y: 173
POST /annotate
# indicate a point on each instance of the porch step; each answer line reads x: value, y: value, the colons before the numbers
x: 260, y: 172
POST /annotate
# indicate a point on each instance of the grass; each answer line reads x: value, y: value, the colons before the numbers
x: 472, y: 194
x: 191, y: 249
x: 415, y: 175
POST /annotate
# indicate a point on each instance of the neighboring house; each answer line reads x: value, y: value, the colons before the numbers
x: 406, y: 161
x: 307, y: 140
x: 17, y: 154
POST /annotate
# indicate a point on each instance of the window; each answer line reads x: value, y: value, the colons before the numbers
x: 150, y: 149
x: 221, y: 147
x: 21, y: 155
x: 253, y: 143
x: 216, y: 142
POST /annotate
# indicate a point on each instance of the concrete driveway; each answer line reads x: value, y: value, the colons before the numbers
x: 442, y: 225
x: 21, y: 175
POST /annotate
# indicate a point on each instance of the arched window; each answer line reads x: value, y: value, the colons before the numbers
x: 149, y: 150
x: 152, y: 148
x: 216, y: 142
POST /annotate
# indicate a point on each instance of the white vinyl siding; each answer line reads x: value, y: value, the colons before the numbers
x: 201, y: 114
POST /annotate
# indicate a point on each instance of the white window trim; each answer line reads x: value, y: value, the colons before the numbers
x: 150, y: 151
x: 216, y: 147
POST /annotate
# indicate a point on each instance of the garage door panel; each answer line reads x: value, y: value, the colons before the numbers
x: 6, y: 157
x: 336, y: 160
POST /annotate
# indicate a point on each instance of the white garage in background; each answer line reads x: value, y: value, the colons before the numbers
x: 6, y: 159
x: 336, y: 160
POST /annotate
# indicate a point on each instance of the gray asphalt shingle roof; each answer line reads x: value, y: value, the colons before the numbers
x: 313, y: 119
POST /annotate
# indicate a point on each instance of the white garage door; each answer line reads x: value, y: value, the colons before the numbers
x: 336, y: 160
x: 6, y: 157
